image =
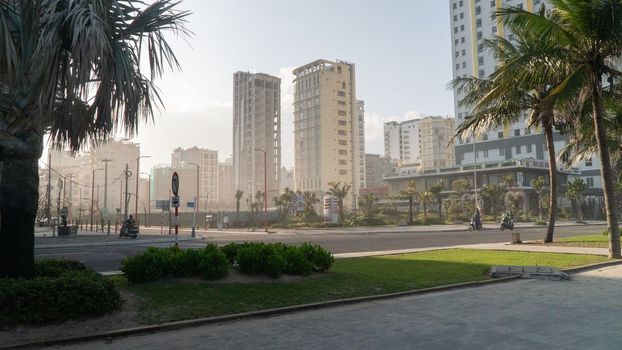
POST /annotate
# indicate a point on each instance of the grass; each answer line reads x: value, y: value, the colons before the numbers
x: 172, y: 300
x: 592, y: 241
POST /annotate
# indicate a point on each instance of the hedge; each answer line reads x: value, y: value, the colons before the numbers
x: 61, y: 290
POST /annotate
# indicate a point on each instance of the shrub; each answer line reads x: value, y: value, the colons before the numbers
x: 540, y: 222
x: 371, y: 222
x: 260, y: 258
x: 55, y: 268
x: 185, y: 262
x: 231, y: 251
x: 153, y: 264
x: 55, y: 296
x: 213, y: 263
x: 606, y: 232
x: 320, y: 258
x: 296, y: 263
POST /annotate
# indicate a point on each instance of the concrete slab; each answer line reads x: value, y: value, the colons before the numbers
x: 540, y: 272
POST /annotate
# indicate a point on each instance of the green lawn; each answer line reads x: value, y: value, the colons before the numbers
x: 172, y: 300
x: 593, y: 241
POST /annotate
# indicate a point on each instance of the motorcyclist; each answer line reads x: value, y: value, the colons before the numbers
x: 477, y: 219
x: 129, y: 224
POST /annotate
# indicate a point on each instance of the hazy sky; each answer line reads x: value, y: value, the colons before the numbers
x: 401, y: 49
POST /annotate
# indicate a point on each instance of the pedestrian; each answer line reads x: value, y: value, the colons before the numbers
x: 225, y: 221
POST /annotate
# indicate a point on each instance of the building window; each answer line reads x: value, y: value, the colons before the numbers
x: 461, y: 15
x: 457, y: 53
x: 343, y: 122
x: 342, y: 132
x: 455, y: 18
x: 343, y: 162
x: 527, y: 131
x: 502, y: 152
x: 478, y: 23
x: 343, y: 142
x: 494, y: 29
x: 454, y: 6
x: 480, y: 74
x: 462, y: 40
x: 588, y: 162
x: 463, y: 64
x: 478, y: 10
x: 341, y: 93
x: 343, y: 172
x: 343, y: 152
x: 518, y: 149
x: 485, y: 153
x: 590, y: 181
x: 529, y: 149
x: 516, y: 132
x: 455, y: 30
x: 341, y: 113
x: 480, y: 48
x: 479, y: 35
x: 463, y: 52
x: 500, y: 135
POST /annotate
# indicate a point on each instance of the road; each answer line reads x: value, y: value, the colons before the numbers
x: 92, y: 251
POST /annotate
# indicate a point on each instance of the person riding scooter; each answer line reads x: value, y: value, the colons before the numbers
x: 507, y: 221
x: 129, y: 229
x: 476, y: 221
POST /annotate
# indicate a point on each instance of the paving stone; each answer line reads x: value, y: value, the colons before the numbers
x: 540, y: 272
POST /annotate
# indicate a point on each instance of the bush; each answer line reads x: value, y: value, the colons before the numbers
x: 372, y: 222
x: 231, y: 251
x: 320, y: 258
x: 540, y: 222
x: 56, y: 296
x: 260, y: 258
x: 157, y: 263
x: 213, y: 263
x: 606, y: 232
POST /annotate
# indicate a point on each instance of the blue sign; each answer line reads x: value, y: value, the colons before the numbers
x: 190, y: 204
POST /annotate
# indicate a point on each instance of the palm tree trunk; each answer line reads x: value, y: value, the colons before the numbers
x: 410, y: 210
x: 605, y: 169
x: 548, y: 133
x: 19, y: 194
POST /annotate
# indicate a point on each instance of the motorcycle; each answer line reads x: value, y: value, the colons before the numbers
x: 507, y: 222
x: 475, y: 225
x: 128, y: 231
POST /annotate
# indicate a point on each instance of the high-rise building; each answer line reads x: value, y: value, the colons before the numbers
x: 207, y: 160
x: 256, y: 129
x: 423, y: 144
x: 360, y: 141
x: 326, y: 127
x: 226, y: 193
x: 376, y: 168
x: 472, y: 22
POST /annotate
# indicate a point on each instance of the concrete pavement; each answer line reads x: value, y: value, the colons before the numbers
x: 524, y: 314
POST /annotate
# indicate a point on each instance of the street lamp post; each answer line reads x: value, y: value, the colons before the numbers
x: 196, y: 203
x: 137, y: 172
x: 93, y: 194
x: 147, y: 219
x: 474, y: 173
x: 265, y: 188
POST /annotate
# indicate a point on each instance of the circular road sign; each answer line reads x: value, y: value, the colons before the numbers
x: 175, y: 183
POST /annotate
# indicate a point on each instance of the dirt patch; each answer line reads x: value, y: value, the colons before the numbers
x: 124, y: 318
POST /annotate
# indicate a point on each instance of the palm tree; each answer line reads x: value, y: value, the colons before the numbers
x: 410, y: 193
x: 575, y: 192
x: 340, y: 191
x: 238, y: 197
x: 310, y: 200
x: 368, y: 203
x: 587, y: 37
x: 521, y: 83
x: 73, y: 70
x: 425, y: 198
x: 436, y: 191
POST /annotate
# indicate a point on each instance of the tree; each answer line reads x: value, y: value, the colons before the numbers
x: 538, y: 186
x: 522, y: 82
x: 310, y: 200
x: 576, y: 190
x: 283, y: 203
x: 410, y: 193
x: 586, y: 36
x: 368, y: 203
x: 493, y: 193
x: 73, y: 70
x: 461, y: 188
x: 425, y: 198
x: 238, y: 197
x: 340, y: 191
x: 436, y: 191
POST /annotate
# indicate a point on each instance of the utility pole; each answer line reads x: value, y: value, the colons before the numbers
x: 137, y: 176
x: 128, y: 173
x: 70, y: 197
x: 106, y: 181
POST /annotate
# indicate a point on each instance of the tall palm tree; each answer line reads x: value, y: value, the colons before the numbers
x: 587, y: 37
x: 521, y: 83
x: 73, y: 70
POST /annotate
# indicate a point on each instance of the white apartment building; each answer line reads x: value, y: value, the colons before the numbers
x: 472, y: 22
x: 421, y: 144
x: 256, y: 129
x: 360, y: 140
x: 327, y: 131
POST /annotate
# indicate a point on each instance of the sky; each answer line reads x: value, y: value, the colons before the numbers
x: 401, y: 49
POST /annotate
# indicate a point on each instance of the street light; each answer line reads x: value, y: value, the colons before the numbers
x: 147, y: 219
x: 93, y: 194
x: 474, y: 173
x: 265, y: 188
x: 196, y: 200
x: 137, y: 172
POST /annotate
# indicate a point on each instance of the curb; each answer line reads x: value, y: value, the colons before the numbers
x: 591, y: 267
x: 254, y: 314
x: 114, y: 243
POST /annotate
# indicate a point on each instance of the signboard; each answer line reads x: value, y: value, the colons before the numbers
x: 189, y: 204
x: 162, y: 204
x: 175, y: 183
x: 175, y: 201
x: 297, y: 202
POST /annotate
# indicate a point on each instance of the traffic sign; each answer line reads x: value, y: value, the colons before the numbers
x: 175, y: 183
x: 175, y: 201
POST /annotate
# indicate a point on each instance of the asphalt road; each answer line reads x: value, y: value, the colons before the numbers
x: 107, y: 258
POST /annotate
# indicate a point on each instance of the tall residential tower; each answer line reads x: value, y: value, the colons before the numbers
x: 256, y: 129
x: 327, y: 132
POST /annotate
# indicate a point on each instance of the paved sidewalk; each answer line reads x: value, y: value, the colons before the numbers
x: 523, y: 314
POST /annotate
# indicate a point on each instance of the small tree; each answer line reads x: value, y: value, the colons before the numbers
x: 493, y: 193
x: 436, y: 192
x: 576, y: 190
x: 238, y: 197
x: 409, y: 193
x: 340, y: 191
x: 539, y: 187
x: 309, y: 199
x: 368, y: 204
x: 425, y: 198
x: 461, y: 187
